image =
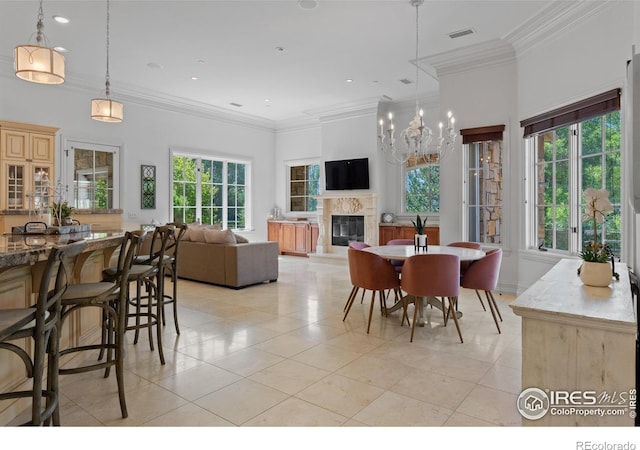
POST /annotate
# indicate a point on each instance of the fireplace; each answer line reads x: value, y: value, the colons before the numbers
x: 345, y: 229
x: 359, y: 208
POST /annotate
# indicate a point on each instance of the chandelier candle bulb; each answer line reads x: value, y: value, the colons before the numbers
x: 440, y: 126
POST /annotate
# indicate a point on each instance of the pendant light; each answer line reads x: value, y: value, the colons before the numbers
x: 105, y: 109
x: 38, y: 63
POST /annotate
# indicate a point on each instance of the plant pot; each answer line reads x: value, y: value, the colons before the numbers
x: 596, y: 274
x: 420, y: 240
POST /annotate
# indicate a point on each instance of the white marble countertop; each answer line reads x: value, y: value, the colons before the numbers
x: 560, y: 296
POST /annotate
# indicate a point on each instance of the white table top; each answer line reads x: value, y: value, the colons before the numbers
x: 560, y: 296
x: 405, y: 251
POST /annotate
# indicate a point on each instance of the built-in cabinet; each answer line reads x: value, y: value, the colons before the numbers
x: 27, y: 161
x: 293, y: 238
x: 393, y: 231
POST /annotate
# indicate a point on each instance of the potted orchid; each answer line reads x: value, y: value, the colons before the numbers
x: 596, y: 270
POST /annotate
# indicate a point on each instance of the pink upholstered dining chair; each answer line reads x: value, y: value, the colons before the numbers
x: 432, y: 275
x: 464, y: 265
x: 397, y: 263
x: 358, y: 245
x: 374, y: 273
x: 483, y: 275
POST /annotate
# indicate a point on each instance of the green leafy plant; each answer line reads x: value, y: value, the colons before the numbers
x: 61, y: 210
x: 419, y: 225
x: 596, y: 206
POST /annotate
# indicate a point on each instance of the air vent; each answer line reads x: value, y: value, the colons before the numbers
x: 238, y: 105
x: 457, y: 34
x: 405, y: 81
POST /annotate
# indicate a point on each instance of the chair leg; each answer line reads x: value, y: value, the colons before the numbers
x: 174, y: 279
x: 452, y: 303
x: 350, y: 300
x: 373, y: 300
x: 480, y: 298
x: 415, y: 316
x: 493, y: 300
x: 52, y: 376
x: 493, y: 313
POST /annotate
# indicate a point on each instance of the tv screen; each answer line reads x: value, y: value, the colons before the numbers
x: 347, y: 174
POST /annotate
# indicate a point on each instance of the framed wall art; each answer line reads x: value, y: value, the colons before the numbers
x: 148, y: 186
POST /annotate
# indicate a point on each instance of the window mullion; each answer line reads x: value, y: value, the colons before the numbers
x: 575, y: 195
x: 199, y: 189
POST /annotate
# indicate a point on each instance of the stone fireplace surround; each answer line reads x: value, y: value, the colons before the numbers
x: 346, y: 203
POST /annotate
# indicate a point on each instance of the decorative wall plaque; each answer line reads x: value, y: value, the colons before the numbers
x: 148, y: 186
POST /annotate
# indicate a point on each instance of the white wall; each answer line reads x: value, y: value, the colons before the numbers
x: 587, y: 60
x: 146, y: 135
x: 483, y: 96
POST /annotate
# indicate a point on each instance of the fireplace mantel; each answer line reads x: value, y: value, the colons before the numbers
x: 346, y: 203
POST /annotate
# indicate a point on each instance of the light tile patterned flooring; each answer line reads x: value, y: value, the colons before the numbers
x: 279, y: 354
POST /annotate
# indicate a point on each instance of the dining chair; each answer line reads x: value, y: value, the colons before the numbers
x: 464, y: 265
x: 432, y: 275
x: 397, y: 263
x: 483, y: 275
x: 170, y: 262
x: 374, y: 273
x: 44, y: 329
x: 358, y: 245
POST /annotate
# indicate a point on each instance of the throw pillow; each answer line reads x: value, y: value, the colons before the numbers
x: 241, y: 239
x: 219, y: 237
x: 194, y: 233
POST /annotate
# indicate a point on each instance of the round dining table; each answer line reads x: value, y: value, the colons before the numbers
x: 402, y: 252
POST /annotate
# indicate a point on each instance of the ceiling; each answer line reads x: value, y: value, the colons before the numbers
x: 275, y: 59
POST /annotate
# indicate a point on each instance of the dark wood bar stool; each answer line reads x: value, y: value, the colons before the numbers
x: 170, y: 262
x: 148, y: 272
x: 41, y: 323
x: 110, y: 297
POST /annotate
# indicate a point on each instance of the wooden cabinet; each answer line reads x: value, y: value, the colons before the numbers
x: 27, y: 164
x: 298, y: 239
x: 388, y: 232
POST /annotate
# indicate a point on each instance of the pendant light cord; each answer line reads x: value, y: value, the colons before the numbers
x: 107, y: 83
x: 416, y: 60
x: 40, y: 25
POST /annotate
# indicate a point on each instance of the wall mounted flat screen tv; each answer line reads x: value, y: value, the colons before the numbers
x: 347, y: 174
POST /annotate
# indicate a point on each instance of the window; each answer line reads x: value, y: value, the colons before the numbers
x: 483, y: 155
x: 94, y: 171
x: 566, y: 160
x: 211, y: 191
x: 304, y: 185
x: 422, y: 186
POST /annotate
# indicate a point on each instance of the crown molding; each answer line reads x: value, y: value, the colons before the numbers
x: 476, y: 56
x: 331, y: 113
x: 556, y: 19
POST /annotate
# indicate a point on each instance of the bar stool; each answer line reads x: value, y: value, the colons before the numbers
x: 110, y: 297
x: 148, y: 272
x: 41, y: 323
x: 170, y: 262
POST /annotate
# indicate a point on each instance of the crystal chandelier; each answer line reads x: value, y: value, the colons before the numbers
x: 38, y: 63
x: 420, y: 145
x: 105, y: 109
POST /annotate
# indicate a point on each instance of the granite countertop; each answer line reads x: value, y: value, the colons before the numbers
x: 16, y: 250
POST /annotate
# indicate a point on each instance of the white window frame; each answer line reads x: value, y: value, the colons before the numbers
x: 433, y: 216
x: 226, y: 159
x: 68, y: 169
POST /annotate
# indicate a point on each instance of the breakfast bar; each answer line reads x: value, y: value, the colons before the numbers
x: 22, y: 258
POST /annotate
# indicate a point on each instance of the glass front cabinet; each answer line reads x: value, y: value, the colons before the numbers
x: 27, y: 160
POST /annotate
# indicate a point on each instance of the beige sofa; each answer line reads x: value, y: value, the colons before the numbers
x: 221, y: 257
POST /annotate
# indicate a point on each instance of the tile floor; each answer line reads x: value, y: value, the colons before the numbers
x: 279, y: 354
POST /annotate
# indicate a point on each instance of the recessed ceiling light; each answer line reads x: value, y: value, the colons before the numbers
x: 200, y: 61
x: 349, y: 80
x: 307, y: 4
x: 61, y: 49
x: 61, y: 19
x: 267, y: 100
x: 153, y: 65
x: 194, y: 78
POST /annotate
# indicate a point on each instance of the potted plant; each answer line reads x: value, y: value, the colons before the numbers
x: 62, y: 213
x: 596, y: 269
x: 420, y: 239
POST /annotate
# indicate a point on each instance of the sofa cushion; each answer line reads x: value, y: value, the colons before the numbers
x: 241, y: 239
x: 219, y: 236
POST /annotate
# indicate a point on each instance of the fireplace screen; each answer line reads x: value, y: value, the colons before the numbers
x: 346, y: 229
